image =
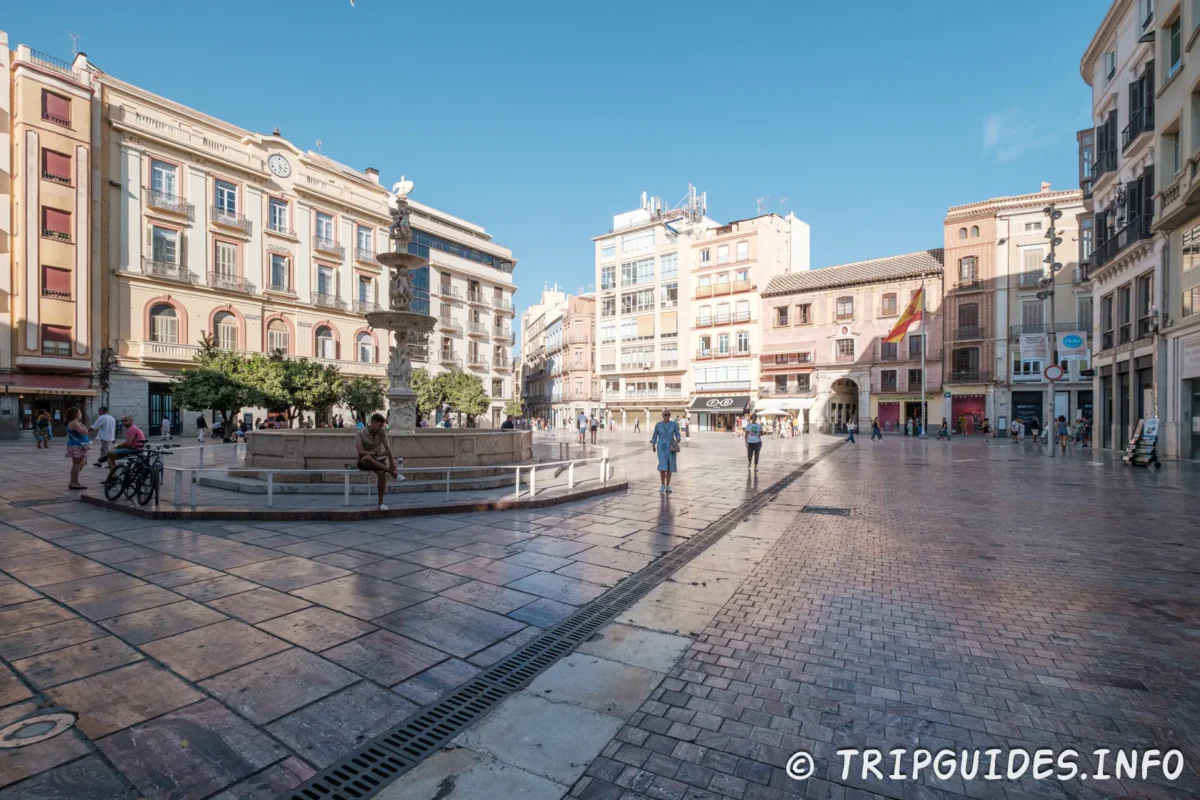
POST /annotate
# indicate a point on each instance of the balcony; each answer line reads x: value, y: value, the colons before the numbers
x: 477, y: 329
x: 366, y: 255
x: 721, y: 288
x: 577, y: 337
x: 171, y: 203
x: 1106, y: 161
x: 230, y: 219
x: 704, y: 291
x: 962, y: 376
x: 501, y: 362
x: 281, y: 229
x: 1141, y: 121
x: 632, y: 393
x: 742, y: 286
x: 448, y: 358
x: 500, y: 304
x: 779, y: 361
x: 55, y: 294
x: 169, y: 270
x: 449, y: 292
x: 499, y: 332
x: 355, y: 367
x: 328, y: 301
x: 279, y: 288
x: 704, y: 322
x: 364, y: 307
x: 888, y: 311
x: 886, y: 355
x: 56, y: 235
x: 476, y: 298
x: 849, y: 317
x: 233, y: 283
x: 673, y: 391
x: 1015, y: 331
x: 843, y: 358
x: 886, y: 386
x: 50, y: 176
x: 668, y: 363
x: 1106, y: 340
x: 1125, y: 333
x: 158, y: 351
x: 419, y: 352
x: 723, y: 386
x: 967, y: 284
x: 478, y: 362
x: 967, y: 332
x: 329, y: 246
x: 795, y: 390
x: 448, y: 323
x: 1136, y: 229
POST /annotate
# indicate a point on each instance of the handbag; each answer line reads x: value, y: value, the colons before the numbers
x: 674, y: 446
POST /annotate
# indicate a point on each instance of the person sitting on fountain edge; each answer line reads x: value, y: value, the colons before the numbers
x: 375, y: 455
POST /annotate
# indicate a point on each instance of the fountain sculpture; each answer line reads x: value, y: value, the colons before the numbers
x: 402, y: 324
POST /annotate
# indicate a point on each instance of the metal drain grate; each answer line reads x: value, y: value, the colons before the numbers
x: 829, y: 511
x: 363, y: 773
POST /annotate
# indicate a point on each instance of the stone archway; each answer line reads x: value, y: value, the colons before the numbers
x: 843, y: 404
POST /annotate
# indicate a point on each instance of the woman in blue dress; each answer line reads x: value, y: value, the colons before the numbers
x: 666, y: 434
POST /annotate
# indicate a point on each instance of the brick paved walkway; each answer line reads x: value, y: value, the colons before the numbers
x: 974, y: 597
x: 234, y: 660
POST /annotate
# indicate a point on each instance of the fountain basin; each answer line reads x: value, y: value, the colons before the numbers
x: 333, y: 448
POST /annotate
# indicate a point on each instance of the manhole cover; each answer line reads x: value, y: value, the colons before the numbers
x: 35, y: 729
x: 831, y: 511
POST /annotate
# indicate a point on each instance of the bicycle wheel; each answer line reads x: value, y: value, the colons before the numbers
x: 114, y: 484
x: 133, y: 474
x: 147, y: 486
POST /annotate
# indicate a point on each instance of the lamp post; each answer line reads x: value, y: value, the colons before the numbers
x: 1046, y: 282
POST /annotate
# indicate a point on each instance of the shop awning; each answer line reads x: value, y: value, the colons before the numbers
x: 45, y: 390
x: 721, y: 405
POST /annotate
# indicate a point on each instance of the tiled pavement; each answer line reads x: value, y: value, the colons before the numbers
x: 234, y: 660
x: 975, y: 597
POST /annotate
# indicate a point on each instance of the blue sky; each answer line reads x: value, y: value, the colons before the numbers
x: 541, y: 120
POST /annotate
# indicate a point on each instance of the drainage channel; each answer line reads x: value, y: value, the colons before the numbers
x: 363, y: 773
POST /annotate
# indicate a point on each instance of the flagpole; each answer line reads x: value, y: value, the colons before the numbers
x: 924, y: 346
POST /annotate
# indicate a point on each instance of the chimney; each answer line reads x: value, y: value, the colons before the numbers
x: 372, y: 173
x: 1045, y: 187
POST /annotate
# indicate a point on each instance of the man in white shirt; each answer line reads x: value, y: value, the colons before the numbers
x: 105, y: 429
x: 581, y: 422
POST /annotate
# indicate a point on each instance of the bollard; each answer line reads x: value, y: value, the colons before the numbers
x: 571, y: 475
x: 178, y: 487
x: 532, y: 481
x: 270, y: 488
x: 604, y: 470
x: 518, y: 488
x: 346, y: 488
x: 194, y: 480
x: 447, y: 482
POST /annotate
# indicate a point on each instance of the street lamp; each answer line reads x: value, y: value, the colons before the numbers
x: 1046, y: 282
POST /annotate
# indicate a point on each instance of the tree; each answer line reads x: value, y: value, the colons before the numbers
x: 312, y: 386
x: 465, y: 394
x: 514, y: 408
x: 219, y: 382
x: 431, y: 393
x: 363, y: 395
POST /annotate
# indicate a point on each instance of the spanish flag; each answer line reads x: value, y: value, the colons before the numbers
x: 910, y: 315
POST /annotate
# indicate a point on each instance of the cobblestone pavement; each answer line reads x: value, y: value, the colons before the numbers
x: 948, y: 596
x: 234, y: 660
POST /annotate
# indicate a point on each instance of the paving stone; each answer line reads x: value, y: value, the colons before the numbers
x: 190, y: 753
x: 235, y: 557
x: 272, y: 782
x: 388, y: 569
x: 348, y: 559
x: 90, y: 587
x: 450, y: 626
x: 12, y: 689
x: 543, y: 613
x: 596, y: 683
x: 434, y: 557
x: 385, y: 657
x: 558, y: 587
x: 431, y: 580
x: 13, y: 593
x: 317, y: 628
x: 468, y: 774
x: 485, y: 569
x: 183, y: 576
x: 362, y: 596
x: 552, y: 547
x: 23, y: 762
x: 47, y: 638
x: 437, y: 681
x: 310, y: 549
x: 86, y: 779
x: 637, y: 646
x: 279, y: 684
x: 489, y: 597
x: 207, y: 651
x: 258, y: 605
x: 215, y: 588
x: 327, y: 729
x: 116, y: 699
x: 34, y: 614
x: 60, y: 573
x: 538, y: 561
x: 289, y: 572
x: 125, y: 601
x: 77, y: 661
x: 161, y: 622
x: 153, y: 565
x: 116, y: 555
x: 592, y: 573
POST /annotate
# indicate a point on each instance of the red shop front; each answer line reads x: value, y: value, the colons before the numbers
x: 967, y: 413
x: 889, y: 416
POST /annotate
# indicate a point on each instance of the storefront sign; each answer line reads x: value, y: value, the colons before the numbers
x: 1035, y: 347
x: 1071, y: 347
x: 721, y: 405
x: 1191, y: 359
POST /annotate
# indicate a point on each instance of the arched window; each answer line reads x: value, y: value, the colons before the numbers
x: 962, y: 233
x: 326, y: 345
x: 226, y: 326
x: 974, y: 231
x: 366, y: 348
x: 164, y: 324
x: 277, y: 336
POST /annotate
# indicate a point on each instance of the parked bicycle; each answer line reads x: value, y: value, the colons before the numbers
x: 137, y: 477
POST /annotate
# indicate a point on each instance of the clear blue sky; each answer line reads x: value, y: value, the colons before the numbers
x: 540, y: 121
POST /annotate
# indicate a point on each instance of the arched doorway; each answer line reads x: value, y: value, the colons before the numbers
x: 843, y: 404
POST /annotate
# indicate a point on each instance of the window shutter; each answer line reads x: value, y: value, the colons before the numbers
x: 670, y: 322
x: 1135, y: 97
x: 57, y: 106
x: 56, y: 221
x: 56, y: 164
x: 56, y: 280
x: 1148, y: 191
x: 1148, y: 88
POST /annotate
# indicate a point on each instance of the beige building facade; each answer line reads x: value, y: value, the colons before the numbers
x: 48, y: 292
x: 536, y: 364
x: 823, y: 356
x: 570, y: 351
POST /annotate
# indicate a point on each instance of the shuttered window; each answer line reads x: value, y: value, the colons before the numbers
x: 56, y: 224
x: 56, y: 282
x: 56, y: 166
x: 56, y: 340
x: 56, y: 108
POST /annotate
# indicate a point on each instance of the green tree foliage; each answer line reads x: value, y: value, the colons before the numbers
x: 221, y: 381
x: 514, y: 408
x: 313, y: 386
x: 430, y: 392
x: 466, y: 393
x: 363, y: 395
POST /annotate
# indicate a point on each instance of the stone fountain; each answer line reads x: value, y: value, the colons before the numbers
x: 401, y: 323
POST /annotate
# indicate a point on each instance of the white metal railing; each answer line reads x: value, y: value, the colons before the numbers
x: 191, y: 476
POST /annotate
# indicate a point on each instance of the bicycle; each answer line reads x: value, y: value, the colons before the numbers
x: 137, y: 477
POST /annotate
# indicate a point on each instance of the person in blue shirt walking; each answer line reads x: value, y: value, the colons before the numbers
x: 753, y: 442
x: 665, y: 442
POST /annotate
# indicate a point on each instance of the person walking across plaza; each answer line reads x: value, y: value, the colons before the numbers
x: 201, y: 428
x: 105, y: 428
x: 375, y: 455
x: 77, y: 445
x: 637, y: 424
x: 875, y: 432
x: 987, y: 430
x: 753, y: 442
x: 41, y: 430
x: 594, y: 424
x: 581, y: 422
x: 665, y: 442
x: 944, y: 433
x: 1063, y: 432
x: 850, y: 426
x: 686, y: 425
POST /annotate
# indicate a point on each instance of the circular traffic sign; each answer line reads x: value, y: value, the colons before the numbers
x: 1073, y: 340
x: 1053, y: 372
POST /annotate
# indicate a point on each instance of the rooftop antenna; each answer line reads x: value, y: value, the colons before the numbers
x: 763, y: 203
x: 782, y: 203
x: 74, y: 43
x: 319, y: 143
